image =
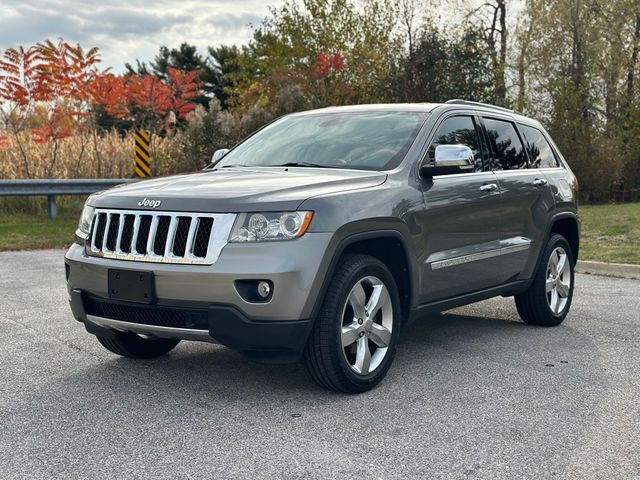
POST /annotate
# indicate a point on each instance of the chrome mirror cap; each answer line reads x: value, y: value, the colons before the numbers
x: 459, y: 156
x: 449, y: 159
x: 218, y: 154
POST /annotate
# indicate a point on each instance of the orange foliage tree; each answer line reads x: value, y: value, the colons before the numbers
x: 20, y: 90
x: 52, y: 91
x: 152, y: 102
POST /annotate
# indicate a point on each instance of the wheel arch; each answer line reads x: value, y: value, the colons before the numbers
x: 563, y: 223
x: 568, y: 226
x: 388, y: 246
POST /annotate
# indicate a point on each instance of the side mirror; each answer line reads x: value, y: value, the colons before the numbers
x: 449, y: 159
x: 218, y: 154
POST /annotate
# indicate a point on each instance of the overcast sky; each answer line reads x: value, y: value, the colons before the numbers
x: 124, y: 30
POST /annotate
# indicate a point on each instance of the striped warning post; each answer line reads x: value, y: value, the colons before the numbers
x: 143, y: 158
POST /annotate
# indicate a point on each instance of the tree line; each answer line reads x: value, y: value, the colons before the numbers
x: 572, y: 64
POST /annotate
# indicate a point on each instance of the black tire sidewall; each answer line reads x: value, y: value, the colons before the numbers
x: 533, y: 304
x: 131, y: 345
x: 370, y: 267
x: 559, y: 241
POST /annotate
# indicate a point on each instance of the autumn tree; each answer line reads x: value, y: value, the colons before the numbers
x: 53, y: 91
x: 289, y: 43
x: 224, y: 61
x: 20, y: 91
x: 577, y: 69
x: 45, y: 88
x: 447, y: 65
x: 491, y: 18
x: 67, y: 71
x: 186, y: 59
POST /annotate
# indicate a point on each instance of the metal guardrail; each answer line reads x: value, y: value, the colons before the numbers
x: 53, y: 187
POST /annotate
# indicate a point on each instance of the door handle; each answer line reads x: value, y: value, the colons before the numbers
x: 489, y: 187
x: 539, y: 182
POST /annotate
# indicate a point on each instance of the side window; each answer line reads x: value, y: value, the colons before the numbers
x: 508, y: 153
x: 457, y: 130
x: 539, y: 150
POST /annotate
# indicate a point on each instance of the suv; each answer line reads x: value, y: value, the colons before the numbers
x: 322, y: 233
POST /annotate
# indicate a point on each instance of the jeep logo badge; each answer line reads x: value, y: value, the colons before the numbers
x: 149, y: 203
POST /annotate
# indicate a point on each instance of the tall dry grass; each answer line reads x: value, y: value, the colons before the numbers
x: 108, y: 155
x: 95, y: 154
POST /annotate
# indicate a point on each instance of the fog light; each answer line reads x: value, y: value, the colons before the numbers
x: 254, y: 291
x: 264, y: 289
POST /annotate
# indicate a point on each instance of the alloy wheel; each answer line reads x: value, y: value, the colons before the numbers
x: 558, y: 283
x: 367, y: 323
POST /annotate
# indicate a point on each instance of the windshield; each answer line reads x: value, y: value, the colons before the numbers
x: 359, y: 140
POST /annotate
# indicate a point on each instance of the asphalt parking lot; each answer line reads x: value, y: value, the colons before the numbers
x: 473, y: 393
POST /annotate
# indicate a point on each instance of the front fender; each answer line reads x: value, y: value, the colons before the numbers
x: 347, y: 236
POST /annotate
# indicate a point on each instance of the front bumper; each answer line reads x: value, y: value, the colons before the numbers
x: 295, y: 268
x: 277, y: 341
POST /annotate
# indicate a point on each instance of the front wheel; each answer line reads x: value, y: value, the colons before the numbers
x: 548, y: 299
x: 354, y: 338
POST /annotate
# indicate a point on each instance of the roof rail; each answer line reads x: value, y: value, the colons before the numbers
x: 478, y: 104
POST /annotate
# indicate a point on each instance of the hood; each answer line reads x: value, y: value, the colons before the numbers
x: 235, y: 189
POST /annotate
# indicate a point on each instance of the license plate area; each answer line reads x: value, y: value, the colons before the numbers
x: 131, y: 286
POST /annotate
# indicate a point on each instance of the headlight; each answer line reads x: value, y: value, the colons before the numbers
x: 85, y: 219
x: 267, y: 226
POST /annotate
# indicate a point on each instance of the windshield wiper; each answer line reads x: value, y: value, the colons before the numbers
x: 300, y: 164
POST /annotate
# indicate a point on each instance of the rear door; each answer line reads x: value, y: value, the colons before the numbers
x: 461, y: 218
x: 526, y: 197
x: 544, y: 158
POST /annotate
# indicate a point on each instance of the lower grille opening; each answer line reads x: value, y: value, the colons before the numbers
x: 156, y: 315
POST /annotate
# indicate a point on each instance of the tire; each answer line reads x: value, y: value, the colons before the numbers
x: 131, y: 345
x: 548, y: 299
x: 358, y: 281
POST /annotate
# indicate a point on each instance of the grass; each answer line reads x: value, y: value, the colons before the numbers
x: 610, y: 233
x: 26, y: 225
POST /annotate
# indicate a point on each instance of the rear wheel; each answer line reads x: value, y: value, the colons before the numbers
x: 548, y: 299
x: 132, y: 345
x: 354, y: 338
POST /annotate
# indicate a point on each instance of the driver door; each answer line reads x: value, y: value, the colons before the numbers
x: 462, y: 219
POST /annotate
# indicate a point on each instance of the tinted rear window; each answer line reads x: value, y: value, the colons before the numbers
x: 508, y: 153
x: 540, y: 152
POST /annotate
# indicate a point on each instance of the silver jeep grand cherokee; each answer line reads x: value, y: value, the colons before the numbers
x: 323, y: 232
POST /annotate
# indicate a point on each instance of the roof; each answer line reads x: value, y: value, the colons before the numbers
x: 423, y: 107
x: 378, y: 107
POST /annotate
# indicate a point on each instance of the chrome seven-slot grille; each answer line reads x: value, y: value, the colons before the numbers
x: 162, y: 237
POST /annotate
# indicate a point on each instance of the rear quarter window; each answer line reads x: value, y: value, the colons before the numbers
x: 538, y: 148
